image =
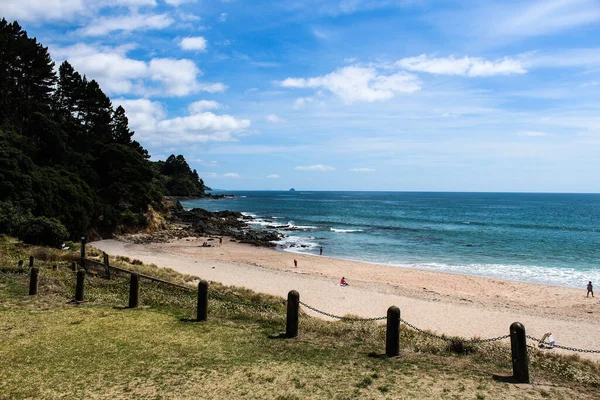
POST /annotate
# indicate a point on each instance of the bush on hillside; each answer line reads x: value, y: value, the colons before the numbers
x: 42, y: 231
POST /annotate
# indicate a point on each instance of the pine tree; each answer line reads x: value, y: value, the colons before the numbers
x: 27, y: 73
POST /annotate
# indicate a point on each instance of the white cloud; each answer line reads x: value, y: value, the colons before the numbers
x: 212, y: 87
x: 131, y: 3
x: 546, y: 17
x: 203, y: 105
x: 201, y: 161
x: 119, y: 74
x: 148, y: 119
x: 193, y: 43
x: 143, y: 114
x: 301, y: 102
x: 583, y: 57
x: 204, y: 127
x: 128, y: 23
x: 190, y: 17
x: 466, y: 66
x: 33, y: 10
x: 274, y: 118
x: 531, y: 133
x: 178, y: 2
x: 110, y: 66
x: 361, y: 170
x: 355, y: 84
x: 178, y: 77
x: 223, y: 17
x: 318, y: 167
x: 274, y: 176
x: 319, y: 33
x: 231, y: 175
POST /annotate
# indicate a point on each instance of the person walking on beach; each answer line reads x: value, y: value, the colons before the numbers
x: 321, y: 251
x: 295, y: 263
x: 590, y: 289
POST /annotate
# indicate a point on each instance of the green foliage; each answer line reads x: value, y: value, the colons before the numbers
x: 67, y: 155
x: 136, y: 220
x: 178, y: 179
x: 42, y: 231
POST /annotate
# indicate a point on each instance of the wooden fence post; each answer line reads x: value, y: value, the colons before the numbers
x: 31, y: 261
x: 293, y: 310
x: 33, y: 281
x: 106, y: 265
x: 134, y: 290
x: 202, y: 313
x: 518, y: 346
x: 392, y: 332
x: 79, y: 294
x: 82, y: 255
x: 74, y: 266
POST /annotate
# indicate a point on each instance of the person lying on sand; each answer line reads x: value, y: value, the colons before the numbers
x: 343, y: 282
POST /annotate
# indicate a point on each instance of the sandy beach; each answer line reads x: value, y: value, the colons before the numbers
x: 446, y: 303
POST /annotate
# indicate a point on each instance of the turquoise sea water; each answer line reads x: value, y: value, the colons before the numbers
x: 545, y: 238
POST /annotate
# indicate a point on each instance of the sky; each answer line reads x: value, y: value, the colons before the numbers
x: 406, y: 95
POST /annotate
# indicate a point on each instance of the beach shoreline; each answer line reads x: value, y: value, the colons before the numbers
x: 447, y: 303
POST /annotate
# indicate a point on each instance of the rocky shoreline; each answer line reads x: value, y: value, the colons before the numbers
x: 201, y: 223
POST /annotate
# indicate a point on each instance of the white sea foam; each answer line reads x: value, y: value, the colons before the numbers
x: 297, y: 244
x: 554, y: 276
x: 303, y: 227
x: 258, y: 222
x: 345, y: 230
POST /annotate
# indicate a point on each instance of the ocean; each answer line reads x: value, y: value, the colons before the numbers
x: 543, y: 238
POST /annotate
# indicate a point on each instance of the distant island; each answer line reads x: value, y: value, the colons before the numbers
x: 292, y: 190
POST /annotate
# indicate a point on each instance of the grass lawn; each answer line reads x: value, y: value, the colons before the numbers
x: 52, y: 348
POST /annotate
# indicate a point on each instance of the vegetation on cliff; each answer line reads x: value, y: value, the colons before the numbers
x: 68, y: 163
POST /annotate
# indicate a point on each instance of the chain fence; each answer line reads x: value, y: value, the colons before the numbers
x: 557, y: 346
x: 181, y: 292
x: 350, y: 319
x: 15, y: 277
x: 449, y: 339
x: 425, y: 332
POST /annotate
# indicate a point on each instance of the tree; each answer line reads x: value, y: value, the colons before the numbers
x: 28, y: 75
x: 68, y: 163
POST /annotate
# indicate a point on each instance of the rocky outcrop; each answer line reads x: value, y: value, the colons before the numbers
x: 222, y: 223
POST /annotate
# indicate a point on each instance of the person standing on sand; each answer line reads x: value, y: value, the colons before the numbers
x: 321, y: 251
x: 590, y: 289
x: 295, y: 263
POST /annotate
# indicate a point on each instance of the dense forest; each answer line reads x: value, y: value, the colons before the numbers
x: 68, y: 164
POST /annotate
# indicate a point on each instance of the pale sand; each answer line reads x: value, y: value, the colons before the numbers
x: 446, y: 303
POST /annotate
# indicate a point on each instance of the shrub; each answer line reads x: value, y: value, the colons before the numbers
x: 42, y: 231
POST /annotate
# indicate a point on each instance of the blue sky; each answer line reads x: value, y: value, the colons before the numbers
x: 347, y: 95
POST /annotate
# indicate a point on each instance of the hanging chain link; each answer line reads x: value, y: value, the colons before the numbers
x: 342, y: 318
x: 561, y: 347
x: 15, y: 278
x: 447, y: 339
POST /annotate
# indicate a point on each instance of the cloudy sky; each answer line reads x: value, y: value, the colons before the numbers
x: 432, y: 95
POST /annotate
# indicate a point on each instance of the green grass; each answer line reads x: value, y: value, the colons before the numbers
x: 53, y: 348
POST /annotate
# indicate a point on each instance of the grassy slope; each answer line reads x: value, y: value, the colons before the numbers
x: 51, y: 349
